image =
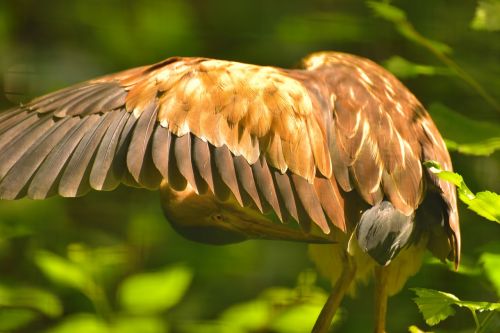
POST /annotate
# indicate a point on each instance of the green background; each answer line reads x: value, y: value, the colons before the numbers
x: 77, y: 265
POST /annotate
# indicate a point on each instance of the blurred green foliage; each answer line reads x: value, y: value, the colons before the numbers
x: 149, y: 293
x: 484, y: 203
x: 464, y: 134
x: 405, y: 69
x: 276, y: 309
x: 487, y: 16
x: 109, y: 262
x: 490, y: 259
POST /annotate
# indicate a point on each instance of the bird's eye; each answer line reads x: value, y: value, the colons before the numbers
x: 218, y: 218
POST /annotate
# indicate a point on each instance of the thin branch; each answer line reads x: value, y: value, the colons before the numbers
x: 486, y: 321
x: 476, y: 320
x: 452, y: 65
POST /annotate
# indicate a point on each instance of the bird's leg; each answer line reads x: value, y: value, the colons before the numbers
x: 325, y: 317
x: 381, y: 274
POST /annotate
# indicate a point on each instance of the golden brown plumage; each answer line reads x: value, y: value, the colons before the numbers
x: 335, y: 146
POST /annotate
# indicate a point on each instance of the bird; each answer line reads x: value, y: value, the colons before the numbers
x: 330, y: 153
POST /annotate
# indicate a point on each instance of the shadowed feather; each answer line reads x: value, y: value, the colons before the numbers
x: 202, y: 162
x: 13, y: 118
x: 246, y: 180
x: 22, y: 142
x: 367, y: 174
x: 45, y: 181
x: 16, y: 180
x: 265, y: 185
x: 161, y: 149
x: 225, y: 167
x: 112, y: 101
x: 139, y: 160
x: 310, y: 202
x: 340, y: 169
x: 57, y: 102
x: 120, y: 162
x: 175, y: 178
x: 183, y: 157
x: 285, y: 192
x: 8, y: 114
x: 331, y: 201
x: 16, y: 127
x: 109, y: 96
x: 103, y: 176
x: 75, y: 180
x: 73, y: 105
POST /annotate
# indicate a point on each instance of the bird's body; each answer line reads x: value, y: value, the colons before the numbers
x: 336, y: 146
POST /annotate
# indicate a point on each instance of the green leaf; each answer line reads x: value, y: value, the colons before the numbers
x: 280, y: 309
x: 276, y: 309
x: 299, y: 318
x: 386, y: 11
x: 485, y: 204
x: 487, y: 16
x: 479, y: 306
x: 449, y: 176
x: 210, y: 327
x: 404, y: 27
x: 436, y: 305
x: 491, y: 265
x: 128, y: 324
x: 62, y: 271
x: 81, y: 323
x: 249, y: 316
x: 463, y: 134
x: 405, y: 69
x: 98, y: 263
x: 150, y: 293
x: 415, y: 329
x: 30, y: 298
x: 13, y: 319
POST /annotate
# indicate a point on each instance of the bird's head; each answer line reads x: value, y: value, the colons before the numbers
x: 198, y: 217
x: 204, y: 218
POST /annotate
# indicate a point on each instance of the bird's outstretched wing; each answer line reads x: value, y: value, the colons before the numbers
x: 294, y: 141
x: 226, y: 126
